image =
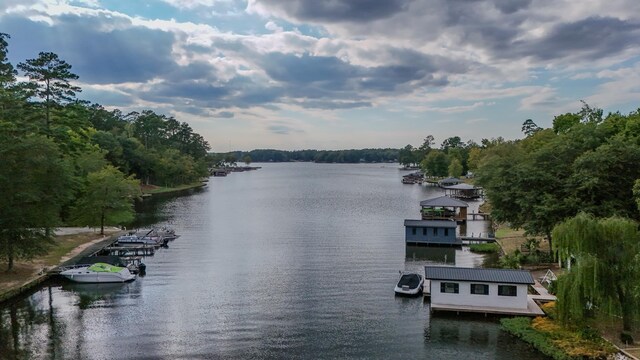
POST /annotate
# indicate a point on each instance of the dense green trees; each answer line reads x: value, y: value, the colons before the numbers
x: 36, y: 182
x: 551, y: 175
x: 606, y: 273
x: 70, y: 162
x: 319, y: 156
x: 106, y: 198
x: 49, y: 80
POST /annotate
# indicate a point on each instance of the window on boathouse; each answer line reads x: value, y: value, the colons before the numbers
x: 449, y: 288
x: 507, y: 290
x: 480, y: 289
x: 413, y: 230
x: 424, y: 231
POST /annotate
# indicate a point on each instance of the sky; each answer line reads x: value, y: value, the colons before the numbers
x: 341, y: 74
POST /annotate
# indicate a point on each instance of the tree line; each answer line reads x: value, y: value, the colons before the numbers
x: 67, y: 161
x: 319, y: 156
x: 577, y: 184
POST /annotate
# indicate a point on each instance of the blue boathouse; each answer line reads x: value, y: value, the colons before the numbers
x: 437, y: 232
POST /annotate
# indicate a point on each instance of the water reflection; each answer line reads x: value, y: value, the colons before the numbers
x: 90, y: 294
x: 445, y: 255
x: 291, y: 261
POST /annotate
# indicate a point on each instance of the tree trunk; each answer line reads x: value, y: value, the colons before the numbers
x: 553, y: 255
x: 46, y: 105
x: 627, y: 309
x: 102, y: 223
x: 10, y: 254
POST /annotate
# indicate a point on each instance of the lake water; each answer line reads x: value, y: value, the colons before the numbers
x: 295, y: 260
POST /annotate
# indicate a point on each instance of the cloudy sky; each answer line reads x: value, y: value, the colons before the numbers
x: 336, y: 74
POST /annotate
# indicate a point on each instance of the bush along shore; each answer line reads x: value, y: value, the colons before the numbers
x: 548, y: 336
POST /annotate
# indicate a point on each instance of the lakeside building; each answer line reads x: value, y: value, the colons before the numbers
x: 463, y: 191
x: 432, y: 232
x: 444, y: 208
x: 494, y: 291
x: 450, y: 181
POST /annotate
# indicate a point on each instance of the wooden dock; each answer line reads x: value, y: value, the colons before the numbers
x: 466, y: 240
x: 532, y: 309
x: 141, y: 250
x: 479, y: 216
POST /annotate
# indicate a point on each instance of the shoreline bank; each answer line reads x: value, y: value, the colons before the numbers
x: 33, y: 277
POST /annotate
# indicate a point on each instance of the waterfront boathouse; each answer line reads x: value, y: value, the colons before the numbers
x: 432, y: 232
x: 463, y: 191
x: 494, y: 291
x: 444, y: 208
x: 450, y: 181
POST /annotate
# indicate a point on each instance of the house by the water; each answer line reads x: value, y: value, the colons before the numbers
x: 494, y: 291
x: 463, y: 191
x: 432, y: 232
x: 444, y: 208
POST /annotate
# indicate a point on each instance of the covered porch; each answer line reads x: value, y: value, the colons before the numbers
x: 444, y: 208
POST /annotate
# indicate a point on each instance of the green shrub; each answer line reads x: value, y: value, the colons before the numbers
x: 521, y: 328
x: 485, y: 248
x: 556, y: 341
x: 626, y: 338
x: 511, y: 261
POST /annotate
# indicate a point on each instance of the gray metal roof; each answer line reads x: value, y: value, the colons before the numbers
x: 450, y: 180
x: 461, y: 187
x: 505, y: 276
x: 430, y: 223
x: 443, y: 201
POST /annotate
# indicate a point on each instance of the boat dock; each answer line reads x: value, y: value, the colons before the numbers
x: 136, y: 250
x: 479, y: 216
x: 467, y: 240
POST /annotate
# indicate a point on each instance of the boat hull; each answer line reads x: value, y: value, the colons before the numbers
x: 405, y: 290
x: 81, y: 275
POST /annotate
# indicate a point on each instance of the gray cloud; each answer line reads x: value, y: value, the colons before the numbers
x: 225, y: 115
x: 591, y: 38
x: 339, y: 10
x: 281, y: 129
x: 134, y: 54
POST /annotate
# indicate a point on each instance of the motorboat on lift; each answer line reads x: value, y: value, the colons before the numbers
x: 167, y: 233
x: 410, y: 284
x: 151, y: 237
x: 98, y: 273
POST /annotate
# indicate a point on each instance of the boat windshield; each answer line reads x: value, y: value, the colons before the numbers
x: 411, y: 280
x: 102, y: 267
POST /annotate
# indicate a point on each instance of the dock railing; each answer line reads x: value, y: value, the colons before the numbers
x: 548, y: 278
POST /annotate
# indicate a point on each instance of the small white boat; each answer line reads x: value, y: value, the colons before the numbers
x: 167, y: 233
x: 410, y: 284
x: 98, y: 273
x: 138, y: 239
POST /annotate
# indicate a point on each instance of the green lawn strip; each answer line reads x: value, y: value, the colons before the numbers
x: 64, y: 244
x: 161, y: 190
x: 558, y: 342
x: 485, y: 248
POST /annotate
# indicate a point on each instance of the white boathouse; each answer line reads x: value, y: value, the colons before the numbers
x: 489, y: 291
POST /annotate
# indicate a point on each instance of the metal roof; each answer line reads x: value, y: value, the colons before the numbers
x: 450, y: 180
x: 461, y: 187
x: 443, y: 201
x: 430, y: 223
x: 505, y: 276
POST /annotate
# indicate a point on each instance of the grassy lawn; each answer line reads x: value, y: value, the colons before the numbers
x: 152, y: 189
x: 510, y: 239
x: 64, y: 247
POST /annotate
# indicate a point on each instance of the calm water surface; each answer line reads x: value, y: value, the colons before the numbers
x: 294, y: 260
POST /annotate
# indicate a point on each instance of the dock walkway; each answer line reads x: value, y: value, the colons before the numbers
x: 532, y: 309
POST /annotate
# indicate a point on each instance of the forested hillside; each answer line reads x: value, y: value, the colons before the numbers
x: 66, y: 161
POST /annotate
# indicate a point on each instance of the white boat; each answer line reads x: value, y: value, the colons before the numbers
x: 167, y: 233
x: 409, y: 284
x: 98, y: 273
x: 138, y: 239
